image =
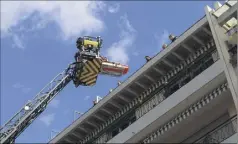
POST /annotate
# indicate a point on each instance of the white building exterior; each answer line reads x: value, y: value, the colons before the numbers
x: 188, y: 93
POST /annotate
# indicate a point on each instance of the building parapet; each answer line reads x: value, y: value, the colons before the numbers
x: 220, y: 133
x: 209, y: 47
x: 189, y: 111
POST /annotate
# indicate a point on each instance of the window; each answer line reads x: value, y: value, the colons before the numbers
x: 197, y: 71
x: 185, y: 80
x: 209, y: 62
x: 115, y: 132
x: 174, y: 88
x: 133, y: 119
x: 125, y: 125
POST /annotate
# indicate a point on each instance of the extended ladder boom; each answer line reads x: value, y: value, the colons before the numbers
x: 34, y: 108
x: 84, y: 71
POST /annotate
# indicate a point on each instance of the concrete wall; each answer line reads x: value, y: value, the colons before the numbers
x: 207, y: 128
x: 220, y: 37
x: 232, y: 139
x: 178, y: 101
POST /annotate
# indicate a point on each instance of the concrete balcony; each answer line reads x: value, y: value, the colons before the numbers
x: 223, y: 133
x: 199, y: 114
x: 176, y: 103
x: 198, y: 61
x: 225, y: 12
x: 232, y: 139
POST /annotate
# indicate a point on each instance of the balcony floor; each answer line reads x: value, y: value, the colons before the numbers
x: 215, y: 109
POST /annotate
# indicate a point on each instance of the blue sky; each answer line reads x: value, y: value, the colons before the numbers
x: 38, y: 42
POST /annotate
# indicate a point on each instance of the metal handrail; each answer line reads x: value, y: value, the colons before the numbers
x: 154, y: 93
x: 220, y: 133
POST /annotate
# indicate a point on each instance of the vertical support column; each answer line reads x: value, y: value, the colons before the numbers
x: 232, y: 112
x: 220, y: 38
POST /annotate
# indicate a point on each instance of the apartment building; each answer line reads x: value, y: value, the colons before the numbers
x: 187, y: 93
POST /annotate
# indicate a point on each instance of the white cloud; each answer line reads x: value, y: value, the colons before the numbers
x: 162, y: 39
x: 117, y: 52
x: 55, y: 103
x: 86, y: 98
x: 20, y: 86
x: 74, y: 18
x: 114, y: 8
x: 17, y: 85
x: 17, y: 42
x: 47, y: 119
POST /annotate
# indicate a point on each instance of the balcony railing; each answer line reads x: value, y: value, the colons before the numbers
x: 185, y: 114
x: 220, y: 133
x: 165, y: 81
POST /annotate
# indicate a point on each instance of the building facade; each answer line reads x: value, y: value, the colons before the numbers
x: 187, y: 93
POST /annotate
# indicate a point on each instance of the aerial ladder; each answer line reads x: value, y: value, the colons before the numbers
x: 84, y: 71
